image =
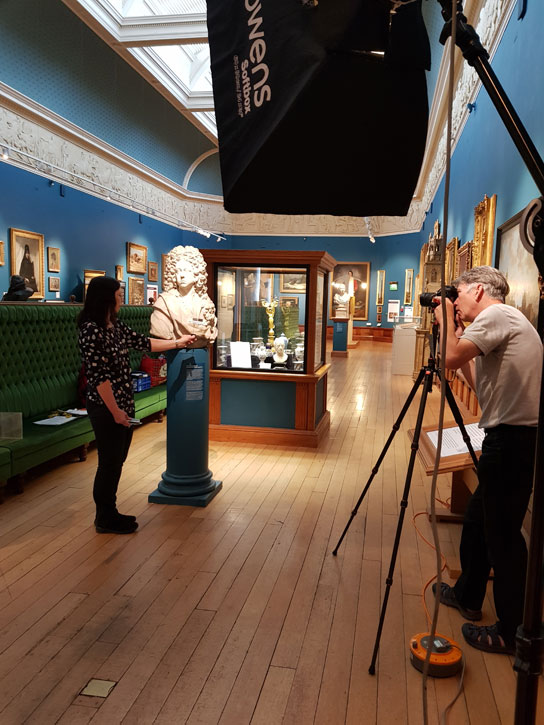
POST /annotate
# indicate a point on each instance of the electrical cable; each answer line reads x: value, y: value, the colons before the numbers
x: 444, y: 337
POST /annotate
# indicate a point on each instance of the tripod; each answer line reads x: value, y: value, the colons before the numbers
x: 425, y: 376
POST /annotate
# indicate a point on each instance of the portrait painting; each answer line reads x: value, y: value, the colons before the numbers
x: 119, y: 272
x: 288, y: 301
x: 53, y: 259
x: 54, y: 284
x: 408, y: 285
x: 136, y: 291
x: 350, y: 280
x: 88, y: 275
x: 153, y: 271
x: 27, y: 260
x: 136, y: 259
x: 519, y: 268
x: 293, y: 281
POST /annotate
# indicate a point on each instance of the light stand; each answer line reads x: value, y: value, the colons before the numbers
x: 530, y: 634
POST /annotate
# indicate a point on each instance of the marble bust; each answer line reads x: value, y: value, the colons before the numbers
x: 184, y: 308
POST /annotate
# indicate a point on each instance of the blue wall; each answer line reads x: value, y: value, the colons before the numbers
x: 50, y: 55
x: 91, y: 233
x: 485, y: 160
x: 395, y: 254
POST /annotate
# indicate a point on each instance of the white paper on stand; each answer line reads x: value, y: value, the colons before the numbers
x: 452, y: 440
x: 240, y: 354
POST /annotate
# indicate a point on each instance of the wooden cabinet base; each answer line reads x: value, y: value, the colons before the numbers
x: 272, y: 436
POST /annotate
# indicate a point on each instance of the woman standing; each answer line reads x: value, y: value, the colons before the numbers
x: 104, y: 344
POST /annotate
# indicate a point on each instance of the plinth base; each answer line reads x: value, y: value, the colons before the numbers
x: 186, y: 498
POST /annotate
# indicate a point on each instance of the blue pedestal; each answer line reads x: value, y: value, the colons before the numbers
x: 340, y: 335
x: 187, y: 480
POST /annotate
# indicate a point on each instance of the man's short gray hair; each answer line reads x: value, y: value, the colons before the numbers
x: 494, y: 282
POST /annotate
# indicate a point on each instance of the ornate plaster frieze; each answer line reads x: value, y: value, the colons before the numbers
x: 45, y: 143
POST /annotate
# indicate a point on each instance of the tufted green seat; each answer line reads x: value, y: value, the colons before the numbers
x: 39, y: 369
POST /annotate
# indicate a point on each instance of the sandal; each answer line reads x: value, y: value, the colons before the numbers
x: 488, y: 639
x: 447, y: 597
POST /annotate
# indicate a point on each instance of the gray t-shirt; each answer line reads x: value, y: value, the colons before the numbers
x: 509, y: 369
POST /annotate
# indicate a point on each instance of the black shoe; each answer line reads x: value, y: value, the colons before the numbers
x: 447, y: 597
x: 115, y: 525
x: 115, y: 515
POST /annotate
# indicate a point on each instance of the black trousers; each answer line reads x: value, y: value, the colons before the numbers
x: 113, y: 442
x: 491, y: 534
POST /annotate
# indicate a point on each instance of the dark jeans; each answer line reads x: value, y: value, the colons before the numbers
x: 112, y: 441
x: 491, y: 534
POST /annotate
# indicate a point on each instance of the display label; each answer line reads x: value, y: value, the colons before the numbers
x: 194, y: 384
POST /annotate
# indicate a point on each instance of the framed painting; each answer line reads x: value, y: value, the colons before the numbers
x: 119, y: 272
x: 350, y: 280
x: 379, y: 317
x: 54, y: 284
x: 136, y: 259
x: 88, y: 275
x: 380, y: 286
x: 53, y: 259
x: 451, y: 259
x: 153, y: 271
x: 408, y: 286
x: 136, y: 291
x: 2, y: 254
x: 484, y: 229
x: 519, y: 268
x: 288, y: 301
x: 293, y: 281
x: 463, y: 260
x: 123, y: 287
x: 230, y: 302
x: 27, y: 259
x: 224, y: 302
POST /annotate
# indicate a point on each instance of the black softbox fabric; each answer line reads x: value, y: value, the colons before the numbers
x: 309, y: 121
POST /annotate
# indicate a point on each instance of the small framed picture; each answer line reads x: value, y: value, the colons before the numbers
x: 136, y: 291
x: 288, y: 301
x: 230, y: 302
x: 153, y: 271
x: 136, y: 259
x: 379, y: 309
x: 224, y: 301
x: 88, y: 275
x: 119, y: 272
x: 123, y: 287
x: 54, y: 284
x: 379, y: 317
x: 2, y: 255
x: 53, y: 259
x: 151, y: 294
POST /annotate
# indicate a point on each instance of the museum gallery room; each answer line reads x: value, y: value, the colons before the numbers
x: 207, y: 257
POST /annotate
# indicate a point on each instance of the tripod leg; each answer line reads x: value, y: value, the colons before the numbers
x: 395, y: 428
x: 458, y: 419
x: 427, y: 385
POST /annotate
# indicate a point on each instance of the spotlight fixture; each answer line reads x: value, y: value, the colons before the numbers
x: 5, y: 153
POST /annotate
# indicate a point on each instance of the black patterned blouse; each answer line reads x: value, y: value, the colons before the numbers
x: 105, y: 355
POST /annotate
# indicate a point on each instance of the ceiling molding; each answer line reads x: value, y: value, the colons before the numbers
x: 163, y: 30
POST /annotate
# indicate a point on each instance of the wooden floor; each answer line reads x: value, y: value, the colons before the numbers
x: 238, y: 613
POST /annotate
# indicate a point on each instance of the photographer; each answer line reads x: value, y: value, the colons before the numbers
x: 500, y: 354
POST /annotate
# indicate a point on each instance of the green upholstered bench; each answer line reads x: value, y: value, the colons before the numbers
x: 39, y: 369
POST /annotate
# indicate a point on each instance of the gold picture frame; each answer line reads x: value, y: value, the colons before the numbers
x: 463, y: 261
x: 30, y: 265
x: 293, y: 281
x: 53, y: 259
x: 484, y: 229
x: 136, y: 258
x: 451, y: 259
x: 136, y: 291
x: 119, y: 271
x: 54, y: 284
x: 2, y: 254
x: 408, y: 286
x: 88, y: 275
x: 380, y: 286
x: 354, y: 276
x: 153, y: 271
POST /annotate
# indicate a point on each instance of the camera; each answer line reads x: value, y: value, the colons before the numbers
x: 426, y: 299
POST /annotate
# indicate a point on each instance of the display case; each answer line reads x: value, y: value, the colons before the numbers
x: 268, y: 368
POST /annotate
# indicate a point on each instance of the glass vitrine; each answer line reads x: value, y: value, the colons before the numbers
x: 261, y: 317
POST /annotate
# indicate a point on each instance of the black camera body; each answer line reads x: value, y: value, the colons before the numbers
x: 426, y: 299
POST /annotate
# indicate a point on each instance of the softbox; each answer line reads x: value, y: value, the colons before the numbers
x: 320, y: 109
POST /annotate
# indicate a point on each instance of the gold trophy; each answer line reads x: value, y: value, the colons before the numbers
x: 270, y: 308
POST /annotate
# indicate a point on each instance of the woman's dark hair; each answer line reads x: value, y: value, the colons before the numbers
x: 99, y: 304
